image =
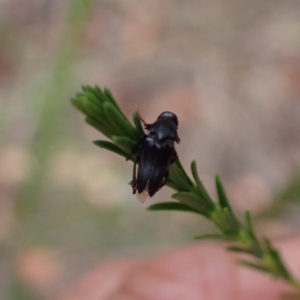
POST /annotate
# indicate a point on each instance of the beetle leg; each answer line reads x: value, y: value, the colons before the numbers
x: 147, y: 126
x: 174, y: 157
x: 136, y: 148
x: 134, y: 180
x: 136, y: 159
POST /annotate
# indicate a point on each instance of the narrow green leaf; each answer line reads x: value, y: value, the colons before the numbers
x: 250, y: 226
x: 240, y: 249
x: 192, y: 200
x: 112, y: 100
x: 179, y: 177
x: 268, y: 245
x: 93, y: 97
x: 179, y: 165
x: 223, y: 199
x: 214, y: 236
x: 100, y: 95
x: 249, y: 220
x: 124, y: 143
x: 103, y: 129
x: 172, y: 185
x: 88, y: 107
x: 273, y: 259
x: 95, y: 112
x: 85, y: 87
x: 224, y: 220
x: 138, y: 124
x: 111, y: 147
x: 232, y: 223
x: 254, y: 266
x: 115, y: 118
x: 195, y: 172
x: 79, y: 102
x: 200, y: 186
x: 172, y: 206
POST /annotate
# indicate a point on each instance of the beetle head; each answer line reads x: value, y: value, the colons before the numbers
x: 169, y: 116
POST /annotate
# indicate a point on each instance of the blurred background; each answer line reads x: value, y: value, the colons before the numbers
x: 229, y: 69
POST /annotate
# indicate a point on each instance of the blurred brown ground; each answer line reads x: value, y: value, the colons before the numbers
x: 229, y: 69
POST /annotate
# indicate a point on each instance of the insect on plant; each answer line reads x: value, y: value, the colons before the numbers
x: 154, y: 154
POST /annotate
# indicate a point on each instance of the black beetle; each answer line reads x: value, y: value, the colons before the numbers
x: 157, y: 153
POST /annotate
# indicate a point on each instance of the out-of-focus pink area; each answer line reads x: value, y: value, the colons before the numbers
x: 230, y: 71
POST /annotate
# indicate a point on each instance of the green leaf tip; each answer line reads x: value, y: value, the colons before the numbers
x: 199, y: 185
x: 249, y: 220
x: 223, y: 199
x: 137, y: 123
x: 195, y: 172
x: 117, y: 121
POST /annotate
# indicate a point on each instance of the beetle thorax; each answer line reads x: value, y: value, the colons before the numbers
x: 164, y: 130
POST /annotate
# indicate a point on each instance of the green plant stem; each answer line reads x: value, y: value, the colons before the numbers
x: 104, y: 114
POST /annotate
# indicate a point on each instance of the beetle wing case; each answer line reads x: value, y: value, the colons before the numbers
x: 153, y: 165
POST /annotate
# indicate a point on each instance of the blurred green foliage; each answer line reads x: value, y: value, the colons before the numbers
x: 51, y: 97
x: 285, y: 198
x: 45, y: 142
